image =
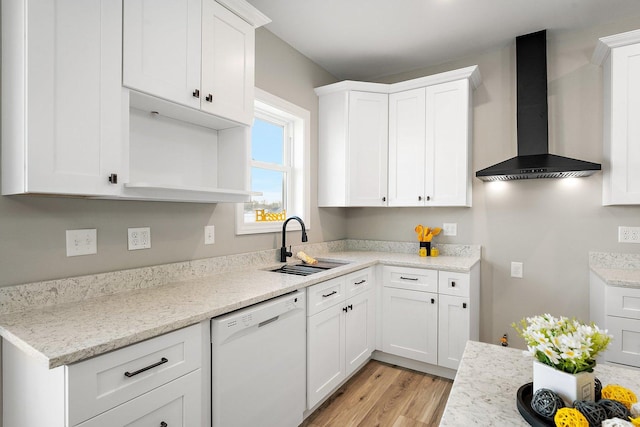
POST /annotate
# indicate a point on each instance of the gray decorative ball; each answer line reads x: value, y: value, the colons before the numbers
x: 593, y: 412
x: 546, y: 402
x: 614, y: 409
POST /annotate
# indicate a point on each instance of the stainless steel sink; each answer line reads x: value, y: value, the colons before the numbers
x: 307, y: 269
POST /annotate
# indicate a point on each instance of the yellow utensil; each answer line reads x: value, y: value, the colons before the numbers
x: 425, y: 233
x: 419, y: 230
x: 436, y: 231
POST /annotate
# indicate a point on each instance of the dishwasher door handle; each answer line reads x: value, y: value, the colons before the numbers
x: 266, y: 322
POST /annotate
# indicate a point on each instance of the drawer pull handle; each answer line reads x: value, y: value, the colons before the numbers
x: 415, y: 279
x: 139, y: 371
x: 345, y: 309
x: 464, y: 305
x: 350, y: 307
x: 433, y: 301
x: 360, y: 282
x: 329, y: 294
x: 163, y: 424
x: 453, y: 284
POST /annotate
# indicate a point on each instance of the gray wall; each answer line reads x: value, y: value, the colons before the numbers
x: 549, y: 225
x: 32, y: 229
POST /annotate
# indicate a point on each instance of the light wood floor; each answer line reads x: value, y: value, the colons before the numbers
x: 384, y: 395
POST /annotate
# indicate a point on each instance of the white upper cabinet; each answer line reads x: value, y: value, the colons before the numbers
x: 619, y: 56
x: 414, y: 152
x: 228, y: 52
x: 193, y: 52
x: 353, y: 148
x: 64, y: 116
x: 162, y: 48
x: 430, y: 146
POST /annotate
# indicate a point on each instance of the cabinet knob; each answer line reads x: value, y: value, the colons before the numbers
x: 384, y: 199
x: 428, y: 198
x: 350, y: 307
x: 163, y: 424
x: 196, y: 93
x: 345, y: 309
x: 113, y: 178
x: 419, y: 198
x: 209, y: 98
x: 453, y: 284
x: 433, y: 300
x: 464, y: 305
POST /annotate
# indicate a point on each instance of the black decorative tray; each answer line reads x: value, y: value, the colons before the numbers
x: 524, y: 396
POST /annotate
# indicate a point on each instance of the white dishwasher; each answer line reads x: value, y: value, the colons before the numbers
x: 258, y: 364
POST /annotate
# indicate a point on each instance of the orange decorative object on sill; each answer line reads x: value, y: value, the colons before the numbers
x: 262, y: 216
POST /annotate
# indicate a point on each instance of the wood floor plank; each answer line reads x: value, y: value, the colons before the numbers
x: 350, y: 403
x: 384, y: 395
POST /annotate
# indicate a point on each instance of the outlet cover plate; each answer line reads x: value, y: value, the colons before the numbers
x: 516, y: 269
x: 139, y: 238
x: 450, y: 229
x: 209, y: 234
x: 628, y: 234
x: 82, y: 242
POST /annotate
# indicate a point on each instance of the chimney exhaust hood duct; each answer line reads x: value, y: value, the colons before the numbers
x: 533, y: 159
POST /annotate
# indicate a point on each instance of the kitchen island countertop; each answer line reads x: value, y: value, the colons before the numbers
x: 66, y: 333
x: 487, y: 381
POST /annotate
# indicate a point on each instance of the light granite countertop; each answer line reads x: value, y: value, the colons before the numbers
x: 485, y: 387
x: 616, y: 269
x: 72, y: 331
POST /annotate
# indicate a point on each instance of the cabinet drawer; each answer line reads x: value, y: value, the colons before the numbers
x: 625, y: 345
x: 176, y: 404
x: 416, y: 279
x: 106, y: 381
x: 623, y: 302
x: 456, y: 284
x: 359, y: 281
x: 324, y: 295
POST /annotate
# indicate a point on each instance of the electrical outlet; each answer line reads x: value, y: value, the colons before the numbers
x: 516, y: 269
x: 209, y: 234
x: 450, y: 229
x: 139, y: 238
x: 82, y: 242
x: 628, y: 234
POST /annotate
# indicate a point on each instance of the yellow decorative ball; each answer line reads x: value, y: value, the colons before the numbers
x: 620, y: 394
x: 570, y: 417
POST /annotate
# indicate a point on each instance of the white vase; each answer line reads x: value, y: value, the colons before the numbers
x: 570, y: 387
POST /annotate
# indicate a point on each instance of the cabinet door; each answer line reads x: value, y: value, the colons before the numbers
x: 162, y: 48
x: 367, y: 149
x: 453, y: 329
x: 447, y: 164
x: 325, y: 353
x: 228, y: 46
x: 625, y: 346
x: 407, y: 148
x: 410, y: 324
x: 177, y: 403
x: 359, y: 330
x: 75, y: 126
x: 622, y: 171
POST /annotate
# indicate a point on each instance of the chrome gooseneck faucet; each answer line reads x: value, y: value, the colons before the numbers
x: 283, y: 250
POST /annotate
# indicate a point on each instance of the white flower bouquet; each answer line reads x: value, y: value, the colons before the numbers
x: 565, y: 344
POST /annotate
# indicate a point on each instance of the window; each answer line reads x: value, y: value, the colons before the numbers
x: 279, y: 167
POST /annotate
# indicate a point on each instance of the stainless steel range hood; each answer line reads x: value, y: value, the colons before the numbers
x: 533, y: 159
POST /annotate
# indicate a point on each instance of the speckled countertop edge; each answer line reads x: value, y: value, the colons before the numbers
x: 616, y: 269
x: 73, y: 331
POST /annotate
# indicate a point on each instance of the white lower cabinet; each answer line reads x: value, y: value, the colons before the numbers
x: 176, y: 404
x: 429, y: 315
x: 145, y: 384
x: 410, y: 324
x: 340, y: 336
x: 617, y: 309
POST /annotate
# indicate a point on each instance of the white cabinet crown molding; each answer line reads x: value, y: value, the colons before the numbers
x: 472, y: 73
x: 246, y: 11
x: 605, y: 44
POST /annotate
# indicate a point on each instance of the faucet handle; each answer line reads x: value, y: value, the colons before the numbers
x: 289, y: 251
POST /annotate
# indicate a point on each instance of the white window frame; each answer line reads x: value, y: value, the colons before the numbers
x: 297, y: 122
